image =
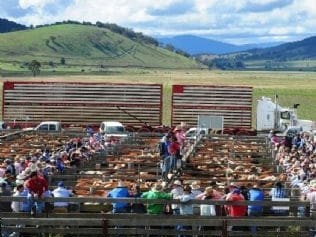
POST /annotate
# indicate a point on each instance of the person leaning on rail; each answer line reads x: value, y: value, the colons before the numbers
x: 121, y: 191
x: 61, y: 191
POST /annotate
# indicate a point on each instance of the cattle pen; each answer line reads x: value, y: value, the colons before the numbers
x: 91, y: 216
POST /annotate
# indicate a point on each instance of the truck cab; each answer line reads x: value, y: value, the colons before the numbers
x: 49, y: 126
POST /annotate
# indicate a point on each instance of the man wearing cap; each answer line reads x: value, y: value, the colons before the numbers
x: 255, y: 194
x: 236, y: 210
x: 61, y: 191
x: 121, y: 191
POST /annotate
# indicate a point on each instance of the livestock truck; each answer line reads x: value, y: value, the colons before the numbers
x: 272, y: 116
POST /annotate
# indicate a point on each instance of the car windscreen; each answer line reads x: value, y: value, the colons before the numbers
x: 114, y: 129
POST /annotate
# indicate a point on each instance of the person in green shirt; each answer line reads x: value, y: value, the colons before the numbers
x: 156, y: 192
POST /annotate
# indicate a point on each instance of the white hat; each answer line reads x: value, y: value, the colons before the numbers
x: 20, y: 176
x: 177, y: 182
x: 312, y: 183
x: 33, y: 167
x: 19, y: 181
x: 195, y: 185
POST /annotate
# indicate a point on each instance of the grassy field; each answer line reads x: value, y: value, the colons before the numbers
x: 291, y: 87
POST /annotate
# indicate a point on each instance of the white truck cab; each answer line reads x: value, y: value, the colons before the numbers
x: 49, y: 126
x: 112, y: 128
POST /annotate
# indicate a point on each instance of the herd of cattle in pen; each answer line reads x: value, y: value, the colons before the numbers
x: 219, y: 167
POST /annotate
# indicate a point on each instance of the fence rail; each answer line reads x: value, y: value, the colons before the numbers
x: 162, y: 225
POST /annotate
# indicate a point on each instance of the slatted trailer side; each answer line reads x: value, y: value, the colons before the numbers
x: 234, y: 103
x: 81, y: 103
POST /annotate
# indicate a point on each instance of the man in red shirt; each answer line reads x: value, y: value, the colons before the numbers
x: 37, y: 186
x: 174, y: 151
x: 236, y: 210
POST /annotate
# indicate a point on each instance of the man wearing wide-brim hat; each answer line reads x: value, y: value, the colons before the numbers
x: 196, y: 188
x: 177, y: 192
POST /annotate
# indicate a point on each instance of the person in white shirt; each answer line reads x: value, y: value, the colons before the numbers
x: 61, y: 191
x: 177, y: 192
x: 17, y: 206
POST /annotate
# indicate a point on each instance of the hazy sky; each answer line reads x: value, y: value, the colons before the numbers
x: 234, y: 21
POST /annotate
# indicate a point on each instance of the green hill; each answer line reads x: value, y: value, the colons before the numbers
x: 299, y: 50
x: 84, y: 45
x: 296, y: 56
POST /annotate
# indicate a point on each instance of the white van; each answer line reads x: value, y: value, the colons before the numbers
x: 112, y: 128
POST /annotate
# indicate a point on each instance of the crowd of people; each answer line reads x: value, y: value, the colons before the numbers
x: 28, y: 176
x: 296, y: 156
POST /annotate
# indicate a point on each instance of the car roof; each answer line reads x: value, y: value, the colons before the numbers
x: 112, y: 123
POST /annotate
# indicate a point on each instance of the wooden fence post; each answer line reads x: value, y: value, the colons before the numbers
x: 224, y: 229
x: 105, y: 226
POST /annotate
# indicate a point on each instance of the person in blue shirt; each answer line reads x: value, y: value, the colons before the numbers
x: 121, y: 191
x: 255, y: 194
x: 61, y: 191
x: 165, y: 156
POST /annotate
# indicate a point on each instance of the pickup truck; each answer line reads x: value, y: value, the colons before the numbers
x: 112, y: 129
x: 192, y: 133
x: 48, y: 126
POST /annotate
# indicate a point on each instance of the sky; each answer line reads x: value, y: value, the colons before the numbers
x: 232, y: 21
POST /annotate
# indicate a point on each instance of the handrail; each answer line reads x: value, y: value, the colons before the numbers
x: 158, y: 201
